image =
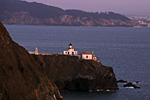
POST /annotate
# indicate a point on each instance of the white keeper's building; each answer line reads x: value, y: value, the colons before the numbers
x: 88, y: 56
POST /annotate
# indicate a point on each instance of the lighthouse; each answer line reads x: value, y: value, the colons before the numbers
x: 70, y: 51
x: 36, y: 51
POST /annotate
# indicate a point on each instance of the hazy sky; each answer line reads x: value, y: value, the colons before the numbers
x: 127, y: 7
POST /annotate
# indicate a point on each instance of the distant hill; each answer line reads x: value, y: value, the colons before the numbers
x: 22, y: 12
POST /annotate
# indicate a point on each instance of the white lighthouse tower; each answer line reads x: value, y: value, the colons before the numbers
x: 36, y: 51
x: 70, y: 51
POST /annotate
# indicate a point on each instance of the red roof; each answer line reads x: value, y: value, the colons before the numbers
x: 86, y: 52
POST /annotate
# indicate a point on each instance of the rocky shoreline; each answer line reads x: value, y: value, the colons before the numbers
x: 25, y: 18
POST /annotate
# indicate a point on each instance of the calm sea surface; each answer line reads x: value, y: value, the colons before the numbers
x: 127, y: 50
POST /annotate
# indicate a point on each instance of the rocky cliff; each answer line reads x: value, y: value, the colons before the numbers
x: 71, y: 73
x: 66, y: 20
x: 21, y: 77
x: 33, y: 77
x: 22, y: 12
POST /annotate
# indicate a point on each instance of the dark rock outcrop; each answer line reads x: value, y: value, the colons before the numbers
x: 121, y: 81
x: 22, y: 12
x: 137, y: 82
x: 71, y: 73
x: 131, y: 85
x: 21, y: 77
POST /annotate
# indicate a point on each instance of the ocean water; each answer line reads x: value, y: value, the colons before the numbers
x: 126, y: 49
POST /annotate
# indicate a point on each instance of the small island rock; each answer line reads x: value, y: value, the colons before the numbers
x: 131, y: 85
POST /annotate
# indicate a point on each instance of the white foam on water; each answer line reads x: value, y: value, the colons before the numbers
x: 130, y: 87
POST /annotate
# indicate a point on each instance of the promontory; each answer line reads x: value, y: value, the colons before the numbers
x: 25, y: 76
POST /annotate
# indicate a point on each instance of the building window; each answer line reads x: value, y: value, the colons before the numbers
x: 72, y: 53
x: 86, y: 56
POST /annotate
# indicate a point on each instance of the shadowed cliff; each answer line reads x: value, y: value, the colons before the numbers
x: 21, y: 77
x: 71, y: 73
x: 29, y: 77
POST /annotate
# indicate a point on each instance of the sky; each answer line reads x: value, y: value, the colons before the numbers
x: 126, y: 7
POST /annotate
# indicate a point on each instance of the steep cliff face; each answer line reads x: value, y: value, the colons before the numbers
x: 21, y: 77
x: 71, y: 73
x: 28, y: 77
